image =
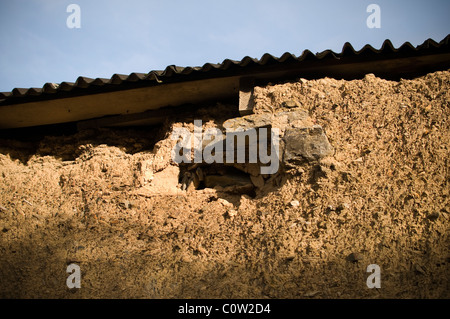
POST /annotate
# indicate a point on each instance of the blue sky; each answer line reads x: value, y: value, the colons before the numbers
x: 118, y: 36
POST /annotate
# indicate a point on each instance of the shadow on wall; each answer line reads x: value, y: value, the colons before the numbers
x: 63, y: 141
x: 31, y: 270
x: 68, y: 147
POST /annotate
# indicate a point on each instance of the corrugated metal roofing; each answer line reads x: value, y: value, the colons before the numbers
x: 267, y: 62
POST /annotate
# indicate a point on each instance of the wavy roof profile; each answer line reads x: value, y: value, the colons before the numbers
x: 172, y: 73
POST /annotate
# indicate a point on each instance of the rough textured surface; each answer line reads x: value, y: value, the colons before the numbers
x: 111, y: 202
x: 306, y: 144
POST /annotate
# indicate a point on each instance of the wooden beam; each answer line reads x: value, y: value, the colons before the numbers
x: 149, y: 117
x: 246, y: 102
x: 125, y: 102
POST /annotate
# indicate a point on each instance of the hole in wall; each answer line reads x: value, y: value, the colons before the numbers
x: 222, y: 177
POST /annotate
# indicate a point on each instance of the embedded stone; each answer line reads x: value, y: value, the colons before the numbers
x: 291, y: 104
x: 306, y: 144
x: 258, y: 181
x: 249, y: 121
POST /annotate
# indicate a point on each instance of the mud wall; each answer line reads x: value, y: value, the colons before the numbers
x: 363, y: 179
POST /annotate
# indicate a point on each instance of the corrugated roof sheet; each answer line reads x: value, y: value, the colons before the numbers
x: 172, y: 73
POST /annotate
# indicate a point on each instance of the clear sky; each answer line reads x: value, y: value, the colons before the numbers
x: 125, y: 36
